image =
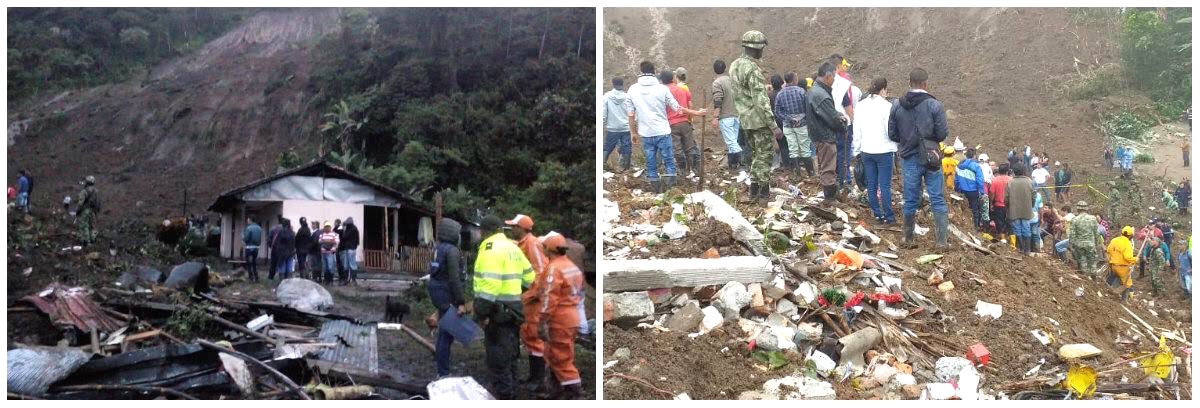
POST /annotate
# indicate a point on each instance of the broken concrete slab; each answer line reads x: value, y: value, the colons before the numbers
x: 718, y: 209
x: 630, y: 306
x: 797, y: 387
x: 643, y: 274
x: 712, y: 319
x: 734, y: 297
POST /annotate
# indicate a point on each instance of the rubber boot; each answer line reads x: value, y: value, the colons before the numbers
x: 941, y: 223
x: 764, y: 193
x: 656, y: 186
x: 695, y: 159
x: 910, y: 224
x: 626, y: 163
x: 753, y: 195
x: 669, y: 182
x: 732, y: 161
x: 572, y: 391
x: 1124, y: 295
x: 808, y: 166
x: 536, y: 384
x: 829, y: 192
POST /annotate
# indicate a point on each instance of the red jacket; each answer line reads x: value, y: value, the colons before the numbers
x: 684, y: 97
x: 999, y: 184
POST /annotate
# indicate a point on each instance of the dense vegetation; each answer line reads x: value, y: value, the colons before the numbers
x: 56, y: 48
x: 492, y: 107
x: 1156, y: 50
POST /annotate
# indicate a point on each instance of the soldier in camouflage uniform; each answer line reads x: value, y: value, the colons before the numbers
x: 85, y: 213
x: 1155, y: 260
x: 1114, y: 200
x: 754, y: 111
x: 1083, y: 235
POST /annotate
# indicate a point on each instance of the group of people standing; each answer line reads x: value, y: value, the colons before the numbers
x: 324, y: 249
x: 526, y: 290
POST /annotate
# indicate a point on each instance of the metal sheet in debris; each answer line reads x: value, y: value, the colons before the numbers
x: 356, y: 345
x: 73, y: 306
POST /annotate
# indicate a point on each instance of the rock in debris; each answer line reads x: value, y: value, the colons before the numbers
x: 776, y: 338
x: 686, y: 318
x: 142, y: 275
x: 629, y: 307
x: 734, y: 297
x: 303, y: 294
x: 622, y: 353
x: 193, y: 275
x: 712, y: 319
x: 786, y: 307
x: 807, y: 333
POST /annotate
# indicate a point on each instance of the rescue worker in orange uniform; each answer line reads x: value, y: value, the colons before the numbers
x: 522, y: 232
x: 1120, y: 260
x: 562, y: 292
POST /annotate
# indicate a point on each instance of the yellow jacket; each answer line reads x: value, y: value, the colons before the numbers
x: 501, y: 270
x: 1120, y: 252
x: 949, y: 166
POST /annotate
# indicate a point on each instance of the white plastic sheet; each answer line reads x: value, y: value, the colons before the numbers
x: 457, y: 389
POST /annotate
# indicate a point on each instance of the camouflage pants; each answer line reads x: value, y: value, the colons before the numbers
x: 1085, y: 256
x: 1156, y: 283
x: 762, y: 142
x: 87, y: 230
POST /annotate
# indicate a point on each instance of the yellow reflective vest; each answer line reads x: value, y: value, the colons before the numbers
x: 501, y: 270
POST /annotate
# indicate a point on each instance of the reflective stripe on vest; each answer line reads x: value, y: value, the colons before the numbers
x: 500, y: 270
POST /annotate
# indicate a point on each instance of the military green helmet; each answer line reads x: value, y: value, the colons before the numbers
x: 754, y: 39
x: 90, y: 180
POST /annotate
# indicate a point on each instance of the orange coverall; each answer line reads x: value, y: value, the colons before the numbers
x: 563, y: 291
x: 531, y: 299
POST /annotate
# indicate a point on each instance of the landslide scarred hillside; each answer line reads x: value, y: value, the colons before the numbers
x: 999, y: 71
x: 200, y: 122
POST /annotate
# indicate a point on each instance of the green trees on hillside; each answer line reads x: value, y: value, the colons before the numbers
x: 1156, y: 50
x: 56, y: 48
x: 491, y: 107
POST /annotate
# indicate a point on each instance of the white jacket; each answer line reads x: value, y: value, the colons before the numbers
x: 871, y: 126
x: 649, y: 99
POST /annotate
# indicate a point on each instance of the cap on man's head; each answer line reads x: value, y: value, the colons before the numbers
x: 680, y: 72
x: 491, y: 223
x: 521, y: 220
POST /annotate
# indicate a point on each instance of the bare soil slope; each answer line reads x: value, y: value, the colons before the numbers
x: 205, y: 122
x: 997, y: 70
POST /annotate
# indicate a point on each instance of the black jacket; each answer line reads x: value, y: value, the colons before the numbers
x: 448, y: 235
x: 313, y: 239
x: 824, y: 123
x: 304, y: 239
x: 916, y: 116
x: 349, y: 236
x: 285, y: 243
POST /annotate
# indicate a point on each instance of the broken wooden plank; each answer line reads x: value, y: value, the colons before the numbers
x: 642, y: 274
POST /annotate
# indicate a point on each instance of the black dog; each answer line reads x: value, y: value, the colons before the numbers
x: 394, y: 310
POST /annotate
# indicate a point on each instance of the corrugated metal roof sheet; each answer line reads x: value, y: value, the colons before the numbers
x: 74, y: 306
x: 357, y: 345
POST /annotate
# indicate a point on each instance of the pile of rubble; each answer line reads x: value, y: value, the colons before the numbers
x: 169, y: 335
x: 829, y: 307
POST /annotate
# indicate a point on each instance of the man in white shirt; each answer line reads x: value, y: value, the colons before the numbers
x: 647, y: 103
x: 1039, y: 176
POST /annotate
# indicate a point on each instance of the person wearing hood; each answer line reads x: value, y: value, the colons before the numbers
x: 647, y: 105
x: 251, y: 240
x: 918, y: 119
x: 446, y: 287
x: 348, y: 250
x: 616, y: 124
x: 283, y: 248
x: 303, y: 242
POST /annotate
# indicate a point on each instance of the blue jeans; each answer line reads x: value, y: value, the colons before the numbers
x: 976, y: 208
x: 657, y: 147
x: 328, y: 265
x: 614, y: 140
x: 439, y: 294
x: 1060, y: 248
x: 349, y: 262
x: 729, y: 133
x: 251, y: 255
x: 1035, y: 230
x: 284, y: 267
x: 23, y: 202
x: 843, y: 160
x: 914, y: 173
x: 878, y: 168
x: 1022, y: 227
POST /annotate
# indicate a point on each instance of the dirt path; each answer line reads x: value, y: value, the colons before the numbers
x: 1168, y: 155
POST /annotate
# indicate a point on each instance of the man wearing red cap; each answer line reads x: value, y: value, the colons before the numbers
x: 522, y: 228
